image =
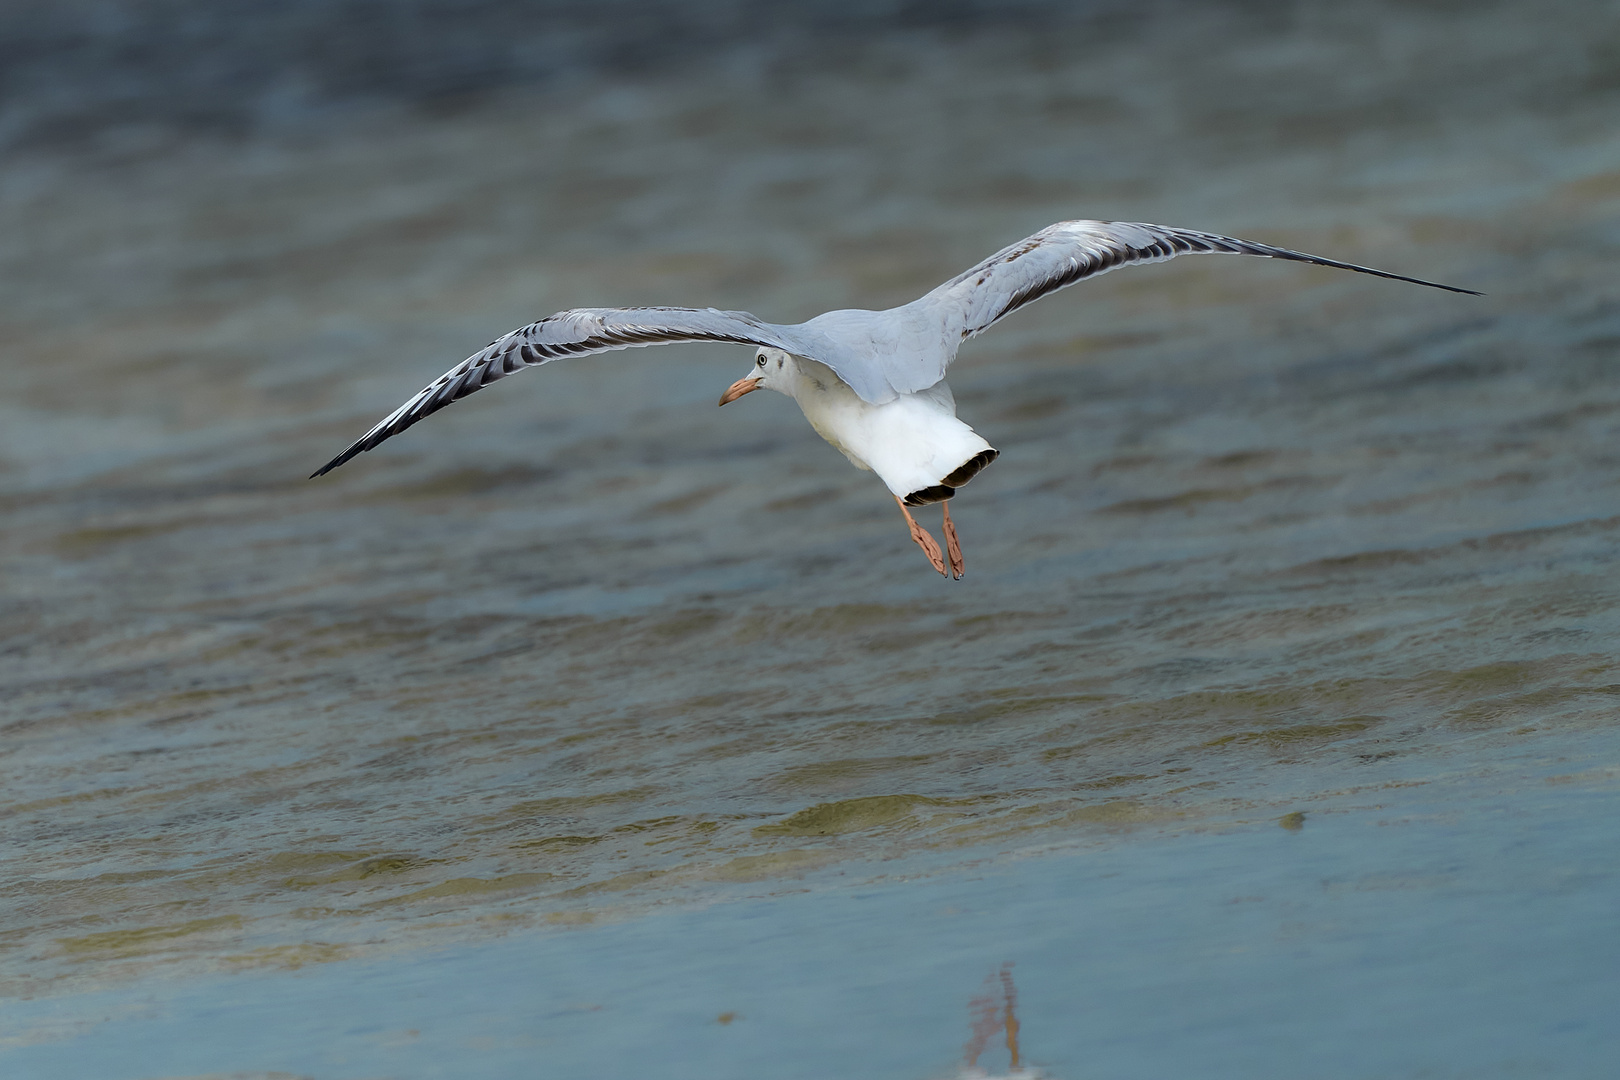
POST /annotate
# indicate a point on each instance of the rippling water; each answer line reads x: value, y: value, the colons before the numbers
x: 1263, y: 540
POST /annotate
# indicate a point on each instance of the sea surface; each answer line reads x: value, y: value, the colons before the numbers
x: 586, y: 729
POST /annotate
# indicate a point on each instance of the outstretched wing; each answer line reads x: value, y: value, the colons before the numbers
x: 1070, y: 251
x: 1057, y: 257
x: 569, y: 333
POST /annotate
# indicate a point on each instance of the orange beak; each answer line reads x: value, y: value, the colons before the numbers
x: 738, y: 389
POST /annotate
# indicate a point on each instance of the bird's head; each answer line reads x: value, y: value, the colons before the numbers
x: 773, y: 370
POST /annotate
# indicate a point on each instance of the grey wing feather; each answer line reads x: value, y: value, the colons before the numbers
x: 571, y: 333
x: 1057, y: 257
x: 880, y: 354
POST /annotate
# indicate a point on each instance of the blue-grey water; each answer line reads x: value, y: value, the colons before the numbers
x: 1271, y: 732
x: 1407, y: 939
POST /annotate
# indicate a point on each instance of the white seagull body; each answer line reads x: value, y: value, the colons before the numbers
x: 914, y: 442
x: 872, y: 383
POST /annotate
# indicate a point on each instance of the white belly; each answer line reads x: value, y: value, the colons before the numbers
x: 912, y: 442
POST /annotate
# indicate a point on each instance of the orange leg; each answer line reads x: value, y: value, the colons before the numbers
x: 953, y: 547
x: 924, y: 541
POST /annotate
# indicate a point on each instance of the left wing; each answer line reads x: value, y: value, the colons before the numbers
x: 1062, y: 254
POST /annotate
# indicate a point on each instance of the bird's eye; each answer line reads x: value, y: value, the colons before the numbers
x: 762, y: 360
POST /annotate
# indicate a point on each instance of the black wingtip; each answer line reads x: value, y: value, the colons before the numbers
x: 1448, y: 288
x: 1393, y: 277
x: 1249, y: 247
x: 1319, y: 261
x: 340, y: 459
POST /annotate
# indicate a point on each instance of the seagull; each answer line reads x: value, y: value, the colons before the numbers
x: 872, y: 383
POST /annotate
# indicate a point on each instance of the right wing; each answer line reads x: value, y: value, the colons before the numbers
x: 571, y: 333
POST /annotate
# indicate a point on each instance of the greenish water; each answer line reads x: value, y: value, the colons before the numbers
x: 1438, y: 931
x: 583, y: 675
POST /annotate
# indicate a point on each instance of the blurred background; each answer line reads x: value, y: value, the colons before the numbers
x: 584, y: 715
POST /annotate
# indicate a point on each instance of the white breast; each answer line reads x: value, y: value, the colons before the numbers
x: 912, y: 442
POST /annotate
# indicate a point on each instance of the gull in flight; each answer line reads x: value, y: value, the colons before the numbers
x: 872, y: 383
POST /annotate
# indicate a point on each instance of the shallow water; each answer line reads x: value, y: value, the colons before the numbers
x: 1402, y: 932
x: 583, y: 671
